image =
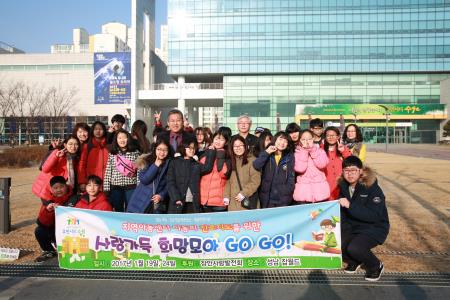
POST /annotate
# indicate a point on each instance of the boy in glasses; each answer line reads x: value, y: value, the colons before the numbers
x: 365, y: 221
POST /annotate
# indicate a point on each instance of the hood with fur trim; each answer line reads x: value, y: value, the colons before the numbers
x: 368, y: 177
x: 141, y: 162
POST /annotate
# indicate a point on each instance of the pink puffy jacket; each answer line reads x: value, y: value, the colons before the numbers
x: 312, y: 185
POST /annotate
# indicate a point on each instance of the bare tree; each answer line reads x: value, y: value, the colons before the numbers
x: 60, y: 101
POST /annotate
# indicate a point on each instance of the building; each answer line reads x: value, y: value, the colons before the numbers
x: 8, y: 49
x: 163, y: 51
x: 113, y: 38
x: 293, y: 56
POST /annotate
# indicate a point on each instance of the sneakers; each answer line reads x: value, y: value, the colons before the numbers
x: 46, y: 255
x: 351, y: 268
x: 374, y: 275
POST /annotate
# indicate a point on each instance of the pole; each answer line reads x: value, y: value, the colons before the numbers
x: 386, y: 113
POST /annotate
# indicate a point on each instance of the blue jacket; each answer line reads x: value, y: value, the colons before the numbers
x: 277, y: 182
x: 367, y: 213
x: 152, y: 181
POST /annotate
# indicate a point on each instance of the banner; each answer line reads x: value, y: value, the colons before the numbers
x: 294, y: 237
x: 112, y: 77
x: 371, y: 111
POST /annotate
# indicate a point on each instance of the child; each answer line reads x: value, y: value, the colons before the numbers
x: 45, y: 231
x: 217, y: 166
x: 150, y: 194
x: 336, y: 152
x: 183, y: 179
x: 94, y: 158
x: 93, y: 199
x: 276, y: 164
x: 316, y: 126
x: 365, y: 221
x: 120, y: 176
x: 61, y: 162
x: 117, y: 122
x: 310, y: 162
x: 244, y: 180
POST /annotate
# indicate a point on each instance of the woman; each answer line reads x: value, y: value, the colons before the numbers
x: 310, y: 163
x: 244, y: 180
x: 353, y: 139
x: 336, y: 153
x: 151, y: 192
x: 293, y: 129
x: 276, y: 164
x: 264, y: 141
x: 61, y: 162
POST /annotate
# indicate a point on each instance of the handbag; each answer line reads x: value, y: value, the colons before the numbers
x: 125, y: 166
x: 250, y: 202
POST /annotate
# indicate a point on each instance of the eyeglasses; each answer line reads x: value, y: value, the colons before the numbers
x: 351, y: 171
x: 238, y: 146
x: 331, y: 135
x: 162, y: 149
x: 306, y: 140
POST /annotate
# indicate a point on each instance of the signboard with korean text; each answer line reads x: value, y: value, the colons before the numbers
x: 295, y: 237
x: 112, y: 77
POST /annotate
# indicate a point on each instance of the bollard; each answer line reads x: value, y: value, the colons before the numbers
x: 5, y: 213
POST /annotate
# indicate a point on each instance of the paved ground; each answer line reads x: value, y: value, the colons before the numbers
x: 417, y: 150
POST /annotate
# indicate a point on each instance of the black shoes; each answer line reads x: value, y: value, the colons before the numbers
x: 375, y: 274
x: 351, y: 268
x: 46, y: 255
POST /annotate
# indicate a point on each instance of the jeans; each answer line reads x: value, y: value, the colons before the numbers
x: 119, y: 197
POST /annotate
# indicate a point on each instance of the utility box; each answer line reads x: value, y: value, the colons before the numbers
x: 5, y: 213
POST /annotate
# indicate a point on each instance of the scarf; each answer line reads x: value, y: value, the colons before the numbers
x: 354, y: 146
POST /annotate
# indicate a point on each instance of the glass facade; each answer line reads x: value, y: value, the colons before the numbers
x: 275, y: 54
x: 290, y: 36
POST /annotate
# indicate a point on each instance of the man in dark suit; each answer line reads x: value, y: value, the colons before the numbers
x: 176, y: 133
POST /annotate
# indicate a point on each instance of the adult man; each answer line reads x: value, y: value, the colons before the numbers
x: 244, y: 123
x: 365, y: 221
x: 176, y: 133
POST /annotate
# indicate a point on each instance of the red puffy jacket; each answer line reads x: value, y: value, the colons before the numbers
x: 94, y: 157
x: 99, y: 203
x: 53, y: 166
x: 212, y: 185
x: 47, y: 218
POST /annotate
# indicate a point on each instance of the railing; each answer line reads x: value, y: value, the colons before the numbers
x: 187, y: 86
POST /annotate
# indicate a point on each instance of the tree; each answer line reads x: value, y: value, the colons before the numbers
x: 60, y: 101
x: 447, y: 129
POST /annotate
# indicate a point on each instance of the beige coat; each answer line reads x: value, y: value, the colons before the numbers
x: 250, y: 181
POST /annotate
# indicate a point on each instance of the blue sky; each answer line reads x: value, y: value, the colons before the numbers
x: 34, y: 25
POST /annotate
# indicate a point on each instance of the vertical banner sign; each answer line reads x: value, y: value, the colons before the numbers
x: 295, y: 237
x: 112, y: 77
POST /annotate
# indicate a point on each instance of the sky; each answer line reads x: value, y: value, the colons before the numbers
x: 35, y: 25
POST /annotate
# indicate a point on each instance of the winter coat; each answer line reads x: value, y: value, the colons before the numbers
x: 53, y: 166
x: 312, y: 185
x: 277, y: 183
x: 367, y: 213
x: 82, y: 201
x: 181, y: 175
x: 217, y: 170
x: 333, y: 170
x: 152, y: 181
x: 249, y: 178
x: 357, y: 149
x: 94, y: 157
x: 47, y: 218
x: 165, y: 135
x: 114, y: 177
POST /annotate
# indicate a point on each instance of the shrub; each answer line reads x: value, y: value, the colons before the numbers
x: 22, y: 157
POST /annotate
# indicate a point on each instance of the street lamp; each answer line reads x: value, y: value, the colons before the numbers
x: 386, y: 113
x: 354, y: 117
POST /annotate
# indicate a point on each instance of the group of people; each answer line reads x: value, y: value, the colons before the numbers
x: 187, y: 170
